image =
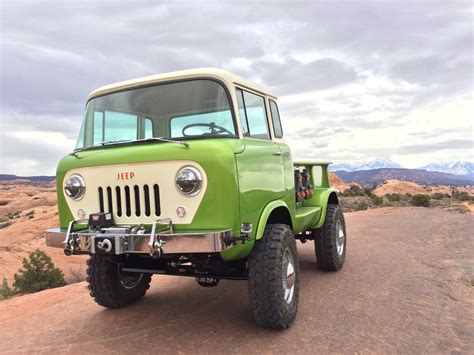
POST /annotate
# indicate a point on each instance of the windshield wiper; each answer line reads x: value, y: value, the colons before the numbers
x: 101, y: 144
x: 107, y: 143
x: 162, y: 139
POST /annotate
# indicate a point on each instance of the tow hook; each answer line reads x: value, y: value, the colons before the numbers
x: 157, y: 250
x: 105, y: 245
x: 72, y: 245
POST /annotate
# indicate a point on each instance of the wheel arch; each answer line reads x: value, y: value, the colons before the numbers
x: 329, y: 197
x: 274, y: 212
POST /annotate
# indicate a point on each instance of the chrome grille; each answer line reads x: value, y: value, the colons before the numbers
x: 130, y: 201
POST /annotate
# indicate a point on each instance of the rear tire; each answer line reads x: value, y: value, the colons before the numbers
x: 110, y: 287
x: 330, y: 240
x: 274, y: 278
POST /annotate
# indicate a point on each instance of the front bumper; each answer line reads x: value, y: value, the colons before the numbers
x: 116, y: 241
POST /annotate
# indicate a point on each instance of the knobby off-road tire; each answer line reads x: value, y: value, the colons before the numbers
x: 330, y: 240
x: 274, y: 278
x: 112, y: 288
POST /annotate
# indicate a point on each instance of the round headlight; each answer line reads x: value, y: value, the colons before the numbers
x: 189, y: 181
x: 75, y: 187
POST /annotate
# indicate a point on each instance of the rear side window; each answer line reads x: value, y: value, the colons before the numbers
x: 253, y: 115
x: 276, y: 119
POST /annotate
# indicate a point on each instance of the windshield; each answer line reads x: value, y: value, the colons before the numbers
x: 182, y: 110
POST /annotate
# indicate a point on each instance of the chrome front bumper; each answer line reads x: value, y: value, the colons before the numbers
x: 164, y: 241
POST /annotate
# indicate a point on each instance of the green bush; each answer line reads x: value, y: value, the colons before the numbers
x: 377, y: 201
x: 368, y: 191
x: 361, y: 206
x: 5, y: 290
x: 462, y: 196
x: 393, y: 197
x: 38, y: 273
x: 420, y: 200
x: 354, y: 190
x: 439, y: 196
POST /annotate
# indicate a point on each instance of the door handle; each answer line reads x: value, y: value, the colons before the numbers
x: 284, y: 154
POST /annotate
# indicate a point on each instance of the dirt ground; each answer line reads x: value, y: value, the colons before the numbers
x: 406, y: 287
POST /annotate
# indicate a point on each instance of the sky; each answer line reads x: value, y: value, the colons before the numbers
x: 355, y: 80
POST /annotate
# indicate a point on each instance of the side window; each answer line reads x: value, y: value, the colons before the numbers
x: 148, y: 128
x: 256, y: 124
x: 276, y: 119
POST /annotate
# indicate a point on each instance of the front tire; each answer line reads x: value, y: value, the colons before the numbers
x: 110, y: 286
x: 331, y: 239
x: 274, y: 278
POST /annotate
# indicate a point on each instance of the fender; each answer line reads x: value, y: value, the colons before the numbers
x: 262, y: 222
x: 324, y: 201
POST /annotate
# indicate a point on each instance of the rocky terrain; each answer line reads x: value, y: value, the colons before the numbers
x: 26, y: 211
x: 407, y: 287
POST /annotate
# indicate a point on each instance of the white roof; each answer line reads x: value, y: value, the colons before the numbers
x: 228, y: 78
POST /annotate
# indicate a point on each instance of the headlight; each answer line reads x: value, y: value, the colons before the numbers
x: 75, y: 187
x: 189, y: 181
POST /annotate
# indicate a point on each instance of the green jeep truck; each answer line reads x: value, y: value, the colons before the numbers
x: 187, y: 173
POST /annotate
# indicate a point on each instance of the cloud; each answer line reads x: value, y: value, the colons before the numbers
x: 362, y: 78
x: 452, y: 144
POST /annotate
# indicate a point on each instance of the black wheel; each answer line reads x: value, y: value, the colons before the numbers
x: 110, y: 286
x: 274, y: 278
x: 330, y: 240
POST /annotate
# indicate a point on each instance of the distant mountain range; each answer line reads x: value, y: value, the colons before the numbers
x: 423, y: 177
x: 42, y: 178
x: 457, y: 168
x: 462, y: 168
x: 380, y: 163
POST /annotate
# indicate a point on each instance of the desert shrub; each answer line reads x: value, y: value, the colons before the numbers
x: 5, y: 290
x: 462, y: 196
x: 368, y: 191
x: 361, y: 206
x: 393, y: 197
x: 38, y: 273
x: 420, y: 200
x: 439, y: 196
x: 377, y: 201
x: 354, y: 190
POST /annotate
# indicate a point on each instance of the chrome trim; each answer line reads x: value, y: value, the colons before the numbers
x: 168, y: 242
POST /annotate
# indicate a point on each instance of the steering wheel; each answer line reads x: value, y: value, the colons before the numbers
x: 215, y: 129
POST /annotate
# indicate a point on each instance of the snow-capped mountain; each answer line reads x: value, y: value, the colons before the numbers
x: 380, y: 163
x: 343, y: 166
x: 457, y: 168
